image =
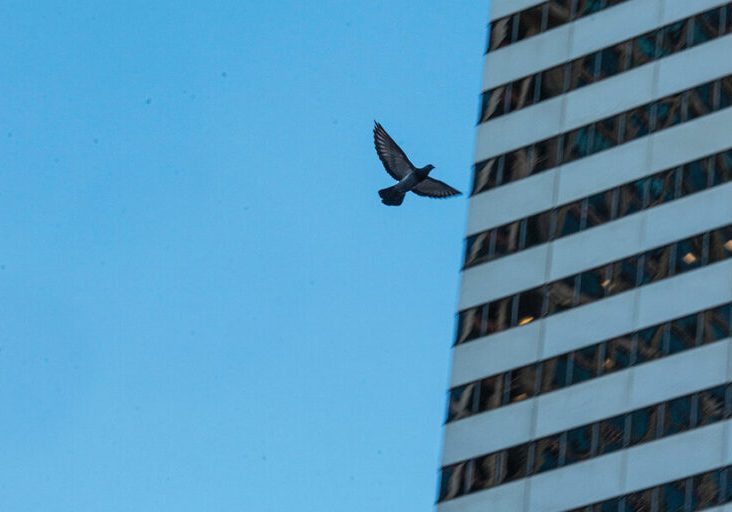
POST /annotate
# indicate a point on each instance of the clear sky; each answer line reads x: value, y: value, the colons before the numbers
x: 203, y: 303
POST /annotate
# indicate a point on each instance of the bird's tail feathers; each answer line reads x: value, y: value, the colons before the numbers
x: 391, y: 196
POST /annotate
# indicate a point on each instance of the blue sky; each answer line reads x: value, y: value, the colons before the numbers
x: 204, y: 306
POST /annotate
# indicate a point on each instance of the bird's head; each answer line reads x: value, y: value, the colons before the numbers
x: 427, y: 168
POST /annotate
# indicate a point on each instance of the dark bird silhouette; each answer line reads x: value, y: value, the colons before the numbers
x: 401, y: 169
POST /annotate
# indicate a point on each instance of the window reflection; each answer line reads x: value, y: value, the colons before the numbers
x: 656, y: 264
x: 707, y: 490
x: 469, y: 325
x: 493, y: 103
x: 522, y: 93
x: 584, y: 364
x: 673, y: 38
x: 637, y: 122
x: 530, y: 306
x: 516, y: 459
x: 668, y: 112
x: 643, y: 425
x: 499, y: 315
x: 559, y: 13
x: 560, y: 295
x: 723, y: 168
x: 711, y: 406
x: 517, y: 165
x: 650, y: 343
x: 661, y: 187
x: 529, y: 23
x: 552, y: 82
x: 614, y: 60
x: 677, y: 416
x: 720, y: 244
x: 617, y: 354
x: 538, y: 229
x: 725, y: 92
x: 706, y: 26
x: 700, y: 101
x: 696, y: 176
x: 587, y: 7
x: 523, y: 381
x: 477, y: 248
x: 630, y: 198
x: 485, y: 175
x: 486, y: 472
x: 546, y: 454
x: 569, y: 219
x: 582, y: 71
x: 451, y: 481
x: 554, y: 373
x: 491, y: 393
x: 606, y: 134
x: 644, y: 49
x: 593, y: 284
x: 461, y: 402
x: 500, y: 33
x: 577, y: 144
x: 639, y: 501
x: 716, y: 324
x: 611, y: 435
x: 690, y: 254
x: 672, y: 497
x: 601, y: 208
x: 579, y: 444
x: 683, y: 334
x: 506, y: 239
x: 545, y: 155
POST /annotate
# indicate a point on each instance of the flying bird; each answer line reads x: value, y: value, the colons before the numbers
x: 401, y: 169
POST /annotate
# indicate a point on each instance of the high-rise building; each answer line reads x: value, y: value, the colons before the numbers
x: 592, y: 365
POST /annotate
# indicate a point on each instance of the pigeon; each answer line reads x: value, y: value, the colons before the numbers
x: 401, y: 169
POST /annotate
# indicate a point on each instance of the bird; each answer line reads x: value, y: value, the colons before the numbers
x: 409, y: 177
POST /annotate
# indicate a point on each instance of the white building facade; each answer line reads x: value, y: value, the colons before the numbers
x: 592, y: 365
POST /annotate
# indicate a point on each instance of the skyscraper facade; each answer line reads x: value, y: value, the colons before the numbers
x: 592, y: 364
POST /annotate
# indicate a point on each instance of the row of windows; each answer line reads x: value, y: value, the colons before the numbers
x: 540, y: 18
x: 585, y: 442
x: 691, y: 494
x: 599, y: 208
x: 608, y: 356
x: 591, y: 285
x: 604, y: 134
x: 605, y: 63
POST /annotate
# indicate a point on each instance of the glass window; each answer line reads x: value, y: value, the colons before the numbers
x: 461, y: 402
x: 637, y: 123
x: 624, y: 276
x: 672, y: 497
x: 643, y: 425
x: 545, y: 155
x: 516, y: 461
x: 582, y: 71
x: 614, y: 60
x: 711, y: 405
x: 611, y: 505
x: 706, y: 26
x: 673, y: 38
x: 683, y: 333
x: 725, y: 94
x: 469, y: 325
x: 716, y: 324
x: 560, y: 12
x: 723, y: 168
x: 569, y: 219
x: 695, y: 176
x: 579, y: 444
x: 617, y: 354
x: 587, y: 7
x: 720, y: 244
x: 546, y: 455
x: 644, y: 49
x: 499, y: 315
x: 577, y: 144
x: 554, y: 373
x: 530, y: 306
x: 585, y: 364
x: 522, y: 93
x: 491, y: 393
x: 486, y: 472
x: 523, y: 383
x: 689, y: 254
x: 677, y: 416
x: 630, y: 198
x: 529, y: 23
x: 477, y: 248
x: 661, y: 187
x: 538, y: 229
x: 601, y: 208
x: 593, y: 284
x: 493, y: 103
x: 640, y: 501
x: 611, y: 435
x: 506, y: 239
x: 700, y: 101
x: 517, y: 164
x: 656, y: 264
x: 650, y: 343
x: 500, y: 33
x: 552, y: 82
x: 668, y: 111
x: 485, y: 175
x: 451, y: 481
x: 606, y: 134
x: 707, y: 490
x: 560, y: 295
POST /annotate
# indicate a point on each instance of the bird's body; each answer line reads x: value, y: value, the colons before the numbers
x: 409, y: 178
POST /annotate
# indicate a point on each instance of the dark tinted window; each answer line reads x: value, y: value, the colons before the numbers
x: 661, y: 188
x: 673, y: 38
x: 552, y: 82
x: 683, y: 334
x: 529, y: 22
x: 554, y: 373
x: 560, y: 295
x: 569, y: 219
x: 593, y: 284
x: 559, y: 12
x: 546, y: 454
x: 656, y: 263
x: 461, y: 402
x: 477, y: 248
x: 491, y: 393
x: 601, y: 208
x: 506, y: 239
x: 624, y: 275
x: 585, y: 364
x: 485, y: 175
x: 583, y: 71
x: 630, y: 198
x: 617, y: 354
x: 614, y: 60
x: 522, y: 93
x: 469, y: 325
x: 711, y: 406
x: 677, y: 416
x: 637, y: 123
x: 689, y: 254
x: 723, y: 168
x: 716, y: 324
x: 668, y: 111
x: 493, y: 103
x: 700, y: 101
x: 706, y: 26
x: 611, y: 435
x: 579, y: 444
x: 451, y: 483
x: 720, y: 247
x: 545, y: 155
x: 707, y: 490
x: 672, y: 497
x: 696, y: 176
x: 523, y: 383
x: 499, y: 315
x: 644, y: 49
x: 486, y: 472
x: 538, y: 229
x: 650, y: 343
x: 606, y: 134
x: 530, y: 306
x: 500, y: 33
x: 643, y: 425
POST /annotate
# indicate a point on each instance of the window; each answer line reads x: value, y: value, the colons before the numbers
x: 706, y: 26
x: 530, y: 21
x: 650, y: 343
x: 486, y: 472
x: 499, y: 315
x: 617, y: 354
x: 606, y: 134
x: 614, y: 60
x: 630, y: 198
x: 523, y: 383
x: 640, y: 501
x: 530, y: 306
x: 451, y: 483
x: 695, y: 176
x: 545, y: 155
x: 584, y: 364
x: 677, y: 416
x: 593, y: 284
x: 707, y: 490
x: 587, y: 7
x: 516, y: 459
x: 569, y: 219
x: 668, y: 111
x: 560, y: 12
x: 546, y: 455
x: 538, y: 229
x: 506, y: 239
x: 493, y: 103
x: 552, y: 82
x: 716, y: 324
x: 720, y: 244
x: 711, y: 406
x: 661, y: 187
x: 517, y: 164
x: 477, y: 248
x: 637, y: 123
x: 577, y: 144
x: 461, y: 402
x: 643, y: 425
x: 644, y: 49
x: 583, y: 71
x: 485, y: 175
x: 624, y: 275
x: 673, y: 38
x: 554, y: 373
x: 579, y: 444
x: 683, y: 334
x: 672, y: 497
x: 522, y: 93
x: 723, y: 168
x: 690, y: 254
x: 500, y: 33
x: 560, y: 295
x: 611, y: 435
x: 700, y: 101
x: 725, y: 92
x: 491, y: 393
x: 656, y: 264
x: 469, y: 325
x: 601, y: 208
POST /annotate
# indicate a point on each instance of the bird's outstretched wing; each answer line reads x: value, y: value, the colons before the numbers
x: 391, y: 155
x: 431, y: 187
